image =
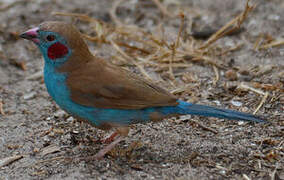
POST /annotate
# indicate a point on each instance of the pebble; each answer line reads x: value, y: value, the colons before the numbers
x: 75, y: 132
x: 217, y: 102
x: 59, y: 113
x: 184, y: 117
x: 29, y: 95
x: 237, y: 103
x: 46, y: 139
x: 35, y: 76
x: 70, y: 119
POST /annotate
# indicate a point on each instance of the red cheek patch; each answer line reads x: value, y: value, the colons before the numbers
x: 57, y: 50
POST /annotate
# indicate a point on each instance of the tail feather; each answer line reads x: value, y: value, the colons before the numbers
x: 209, y: 111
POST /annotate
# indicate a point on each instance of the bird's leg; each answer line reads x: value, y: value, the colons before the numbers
x: 110, y: 138
x: 122, y: 132
x: 109, y: 147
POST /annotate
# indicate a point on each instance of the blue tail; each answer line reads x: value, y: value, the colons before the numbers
x: 209, y: 111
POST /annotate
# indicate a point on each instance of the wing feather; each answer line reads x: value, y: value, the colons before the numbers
x: 103, y: 85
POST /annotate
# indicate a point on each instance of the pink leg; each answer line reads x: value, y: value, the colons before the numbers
x: 121, y: 131
x: 110, y: 138
x: 109, y: 147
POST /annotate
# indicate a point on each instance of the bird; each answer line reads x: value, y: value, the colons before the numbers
x: 105, y: 95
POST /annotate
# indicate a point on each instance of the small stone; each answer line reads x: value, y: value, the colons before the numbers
x: 231, y: 75
x: 237, y: 103
x: 70, y: 119
x: 29, y: 95
x: 46, y: 139
x: 35, y: 76
x: 36, y: 150
x: 184, y: 117
x: 240, y: 123
x: 217, y: 102
x: 59, y: 113
x: 75, y: 132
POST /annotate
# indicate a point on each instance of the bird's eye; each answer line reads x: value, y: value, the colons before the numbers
x: 50, y: 37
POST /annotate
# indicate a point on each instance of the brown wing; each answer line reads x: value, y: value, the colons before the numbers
x: 102, y: 85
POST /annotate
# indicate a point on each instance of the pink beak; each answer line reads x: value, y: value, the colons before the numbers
x: 31, y: 34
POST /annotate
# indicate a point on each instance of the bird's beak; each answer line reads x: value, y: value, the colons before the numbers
x: 31, y: 34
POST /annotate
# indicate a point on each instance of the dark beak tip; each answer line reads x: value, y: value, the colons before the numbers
x: 24, y: 36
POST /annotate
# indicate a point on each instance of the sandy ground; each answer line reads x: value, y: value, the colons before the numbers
x: 46, y: 143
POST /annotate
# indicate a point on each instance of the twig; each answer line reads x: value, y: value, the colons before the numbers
x: 1, y: 108
x: 8, y: 160
x: 162, y: 8
x: 181, y: 89
x: 237, y: 47
x: 216, y: 75
x: 170, y: 64
x: 82, y: 17
x: 246, y: 177
x: 226, y: 28
x: 176, y: 65
x: 244, y: 86
x: 113, y: 12
x: 174, y: 46
x: 257, y: 42
x: 274, y: 172
x: 49, y: 160
x: 205, y: 127
x: 206, y: 60
x: 133, y: 47
x: 142, y: 70
x: 265, y: 95
x: 261, y: 102
x: 275, y: 43
x: 181, y: 15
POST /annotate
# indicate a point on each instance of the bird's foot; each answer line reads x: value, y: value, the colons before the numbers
x: 110, y: 138
x: 104, y: 151
x: 109, y: 147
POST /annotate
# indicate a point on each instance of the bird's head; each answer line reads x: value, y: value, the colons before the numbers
x: 57, y: 41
